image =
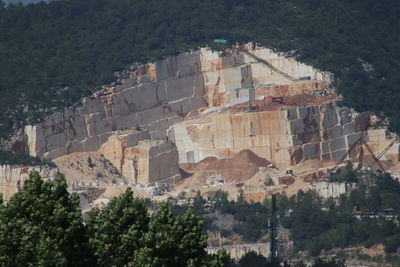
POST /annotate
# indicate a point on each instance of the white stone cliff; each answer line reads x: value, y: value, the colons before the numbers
x: 185, y: 108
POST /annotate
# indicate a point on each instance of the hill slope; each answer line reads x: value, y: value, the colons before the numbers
x: 53, y: 54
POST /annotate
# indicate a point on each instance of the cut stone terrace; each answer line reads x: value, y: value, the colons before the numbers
x: 283, y: 134
x: 159, y: 95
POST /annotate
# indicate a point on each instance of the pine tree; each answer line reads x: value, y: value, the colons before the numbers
x: 42, y: 226
x: 116, y: 232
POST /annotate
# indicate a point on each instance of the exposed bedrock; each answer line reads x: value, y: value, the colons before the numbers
x: 12, y: 177
x: 285, y: 135
x: 185, y: 108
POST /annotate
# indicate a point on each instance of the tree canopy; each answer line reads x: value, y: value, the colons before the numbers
x: 42, y: 226
x: 54, y: 53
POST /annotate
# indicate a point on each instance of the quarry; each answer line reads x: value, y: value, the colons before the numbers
x: 205, y: 121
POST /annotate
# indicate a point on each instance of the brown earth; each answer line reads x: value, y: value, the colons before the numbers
x: 240, y: 167
x: 289, y: 101
x: 76, y: 168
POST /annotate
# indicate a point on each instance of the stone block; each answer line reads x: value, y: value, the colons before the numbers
x: 337, y: 144
x: 197, y: 102
x: 325, y: 147
x: 91, y: 105
x: 186, y: 59
x: 126, y: 121
x: 339, y: 155
x: 55, y: 141
x: 161, y: 92
x: 292, y: 114
x: 132, y: 140
x: 198, y: 85
x: 334, y: 132
x: 143, y: 135
x: 150, y: 115
x: 127, y: 83
x: 305, y: 112
x: 181, y: 107
x: 158, y: 135
x: 148, y: 96
x: 228, y: 62
x: 179, y: 88
x: 329, y: 117
x: 76, y: 128
x: 74, y: 147
x: 352, y: 139
x: 296, y: 141
x: 241, y: 95
x: 296, y: 126
x: 159, y: 125
x: 56, y: 153
x: 166, y: 68
x: 175, y: 119
x: 348, y: 128
x: 104, y: 137
x: 121, y: 103
x: 239, y: 59
x: 91, y: 144
x: 310, y: 150
x: 231, y: 78
x: 326, y: 156
x: 247, y: 78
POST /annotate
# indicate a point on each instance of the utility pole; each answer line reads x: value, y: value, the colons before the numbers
x: 273, y: 232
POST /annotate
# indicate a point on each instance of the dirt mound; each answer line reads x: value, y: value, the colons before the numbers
x: 244, y: 159
x: 240, y: 167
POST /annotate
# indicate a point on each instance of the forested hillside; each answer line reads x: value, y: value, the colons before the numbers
x: 24, y: 2
x: 53, y: 54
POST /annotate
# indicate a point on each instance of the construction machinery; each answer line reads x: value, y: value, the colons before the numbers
x: 278, y: 99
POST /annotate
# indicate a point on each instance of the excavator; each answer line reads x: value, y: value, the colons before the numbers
x: 278, y: 100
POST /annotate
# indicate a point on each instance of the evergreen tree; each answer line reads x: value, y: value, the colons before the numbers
x: 116, y: 232
x: 173, y: 241
x: 42, y: 226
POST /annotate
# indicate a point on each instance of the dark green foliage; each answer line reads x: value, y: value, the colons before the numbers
x: 53, y: 54
x: 7, y: 157
x: 90, y: 162
x: 328, y: 263
x: 252, y: 217
x: 349, y: 175
x: 117, y: 231
x: 123, y: 235
x: 172, y: 241
x: 253, y: 259
x: 314, y: 229
x: 41, y: 226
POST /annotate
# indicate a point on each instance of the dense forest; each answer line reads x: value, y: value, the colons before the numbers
x: 54, y: 53
x: 316, y: 223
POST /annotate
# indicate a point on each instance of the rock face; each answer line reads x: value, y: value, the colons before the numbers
x: 142, y: 162
x: 328, y: 189
x: 156, y: 97
x: 186, y: 108
x: 12, y: 177
x: 284, y: 135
